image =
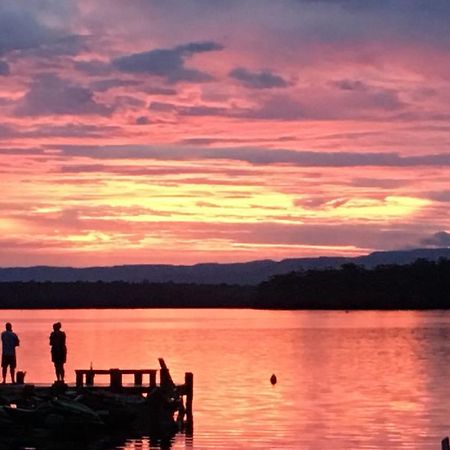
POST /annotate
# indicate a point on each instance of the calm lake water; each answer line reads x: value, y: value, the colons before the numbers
x: 357, y: 380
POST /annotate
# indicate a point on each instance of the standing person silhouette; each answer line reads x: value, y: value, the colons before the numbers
x: 59, y: 350
x: 9, y: 343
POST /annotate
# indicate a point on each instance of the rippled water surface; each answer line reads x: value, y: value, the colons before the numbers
x: 357, y: 380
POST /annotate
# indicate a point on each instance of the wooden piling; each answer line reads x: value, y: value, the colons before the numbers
x: 189, y: 390
x: 138, y: 379
x: 165, y: 380
x: 152, y: 382
x: 90, y: 378
x: 20, y: 377
x: 115, y: 379
x: 445, y: 444
x: 79, y: 378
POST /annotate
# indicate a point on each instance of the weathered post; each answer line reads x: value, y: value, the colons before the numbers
x: 20, y: 377
x: 189, y: 383
x: 152, y: 381
x: 164, y: 378
x: 79, y: 378
x: 115, y: 379
x: 138, y: 378
x: 90, y: 378
x: 165, y: 381
x: 445, y: 444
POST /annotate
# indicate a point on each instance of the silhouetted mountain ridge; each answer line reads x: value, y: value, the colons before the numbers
x: 250, y: 273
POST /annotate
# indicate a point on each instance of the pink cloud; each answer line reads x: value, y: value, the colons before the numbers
x: 131, y: 130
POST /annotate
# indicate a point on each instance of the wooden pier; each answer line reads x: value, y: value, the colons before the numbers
x: 148, y: 403
x: 86, y: 377
x: 85, y: 380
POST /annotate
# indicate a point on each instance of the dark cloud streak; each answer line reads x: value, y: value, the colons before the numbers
x: 168, y: 63
x: 257, y: 156
x: 51, y: 95
x: 258, y: 80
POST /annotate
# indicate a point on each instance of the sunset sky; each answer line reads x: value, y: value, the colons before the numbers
x: 185, y: 131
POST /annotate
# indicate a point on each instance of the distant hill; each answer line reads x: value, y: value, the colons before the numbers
x: 250, y: 273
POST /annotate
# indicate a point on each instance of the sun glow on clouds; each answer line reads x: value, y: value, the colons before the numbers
x: 154, y: 133
x: 105, y: 210
x: 390, y: 207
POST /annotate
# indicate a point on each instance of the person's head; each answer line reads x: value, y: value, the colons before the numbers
x: 8, y: 326
x: 57, y: 326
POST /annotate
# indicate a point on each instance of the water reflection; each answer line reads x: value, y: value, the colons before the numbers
x: 104, y: 443
x: 362, y: 380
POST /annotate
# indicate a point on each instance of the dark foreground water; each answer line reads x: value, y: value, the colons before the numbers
x: 357, y: 380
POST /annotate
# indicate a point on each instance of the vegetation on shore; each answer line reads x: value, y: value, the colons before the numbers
x: 120, y: 294
x: 420, y: 285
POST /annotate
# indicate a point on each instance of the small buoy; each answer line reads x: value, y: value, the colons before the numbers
x: 273, y: 379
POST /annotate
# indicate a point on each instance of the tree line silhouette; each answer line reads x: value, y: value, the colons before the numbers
x: 119, y: 294
x: 421, y: 285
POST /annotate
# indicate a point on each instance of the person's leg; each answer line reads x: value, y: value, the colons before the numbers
x: 56, y: 371
x: 4, y: 368
x: 12, y: 368
x: 59, y: 368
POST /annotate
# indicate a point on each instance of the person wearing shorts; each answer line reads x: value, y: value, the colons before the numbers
x: 58, y: 350
x: 9, y: 343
